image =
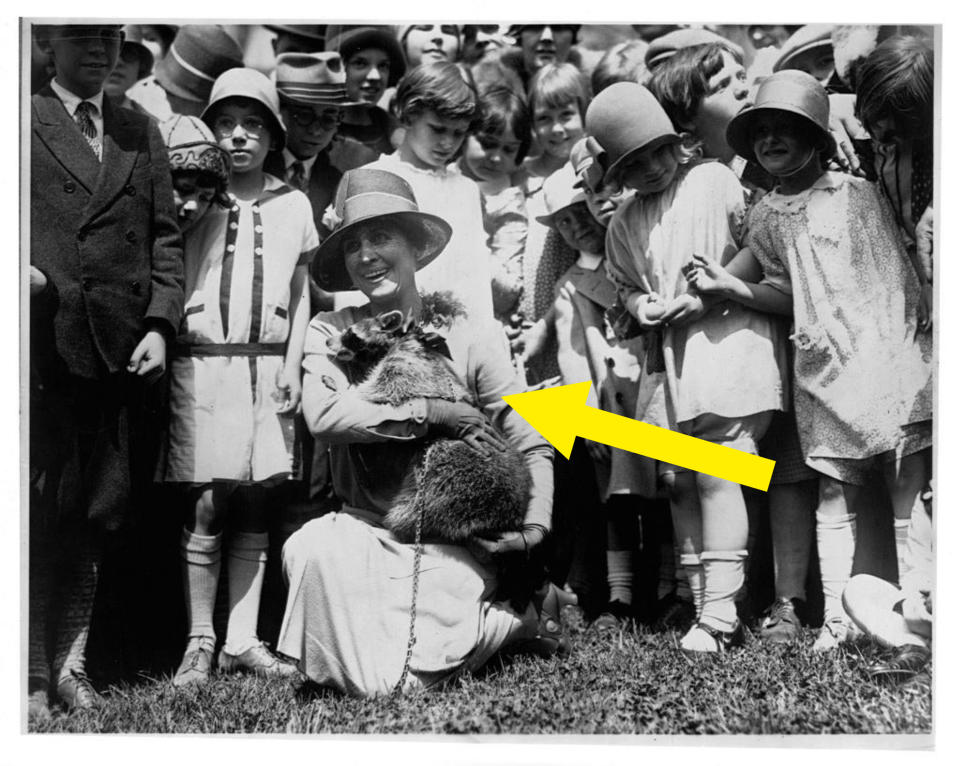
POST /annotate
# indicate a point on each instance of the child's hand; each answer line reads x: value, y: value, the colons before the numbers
x: 38, y: 281
x: 149, y: 358
x: 706, y: 276
x: 648, y: 308
x: 925, y: 307
x: 288, y: 394
x: 533, y: 341
x: 683, y: 309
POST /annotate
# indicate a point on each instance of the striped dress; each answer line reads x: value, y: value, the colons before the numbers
x: 223, y: 401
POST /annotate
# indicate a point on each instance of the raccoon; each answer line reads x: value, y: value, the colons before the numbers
x: 458, y: 493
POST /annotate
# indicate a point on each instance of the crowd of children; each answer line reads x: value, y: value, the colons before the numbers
x: 729, y: 239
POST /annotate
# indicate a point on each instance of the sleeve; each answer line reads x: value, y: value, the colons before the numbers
x: 332, y: 407
x: 311, y: 239
x: 493, y: 378
x: 619, y: 261
x: 166, y: 257
x: 759, y: 239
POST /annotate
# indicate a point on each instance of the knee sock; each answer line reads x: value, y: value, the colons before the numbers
x: 692, y: 566
x: 38, y: 668
x: 77, y: 608
x: 620, y: 566
x: 901, y: 534
x: 200, y: 566
x: 669, y: 578
x: 836, y: 543
x: 246, y: 564
x: 723, y: 576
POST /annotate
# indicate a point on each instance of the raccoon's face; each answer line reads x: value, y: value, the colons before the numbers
x: 367, y: 341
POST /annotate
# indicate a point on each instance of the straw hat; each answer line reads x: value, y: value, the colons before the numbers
x: 804, y: 39
x: 365, y: 195
x: 790, y: 91
x: 347, y: 40
x: 625, y: 118
x: 248, y: 83
x: 199, y: 54
x: 560, y: 190
x: 312, y: 79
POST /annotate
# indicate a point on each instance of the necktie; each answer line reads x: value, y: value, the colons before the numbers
x: 298, y: 176
x: 84, y: 119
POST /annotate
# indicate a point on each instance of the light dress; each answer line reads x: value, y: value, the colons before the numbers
x: 861, y: 373
x: 223, y: 408
x: 730, y: 362
x: 347, y: 617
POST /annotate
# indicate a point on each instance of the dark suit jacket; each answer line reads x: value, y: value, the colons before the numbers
x: 321, y: 187
x: 106, y: 236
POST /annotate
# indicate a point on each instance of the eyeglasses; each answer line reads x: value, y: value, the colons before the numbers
x: 224, y: 125
x: 307, y: 119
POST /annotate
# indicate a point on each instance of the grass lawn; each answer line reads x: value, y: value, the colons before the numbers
x: 620, y: 682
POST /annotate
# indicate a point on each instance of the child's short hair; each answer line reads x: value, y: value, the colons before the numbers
x: 555, y: 86
x: 502, y: 108
x: 682, y: 82
x: 439, y: 87
x: 896, y: 81
x: 622, y: 63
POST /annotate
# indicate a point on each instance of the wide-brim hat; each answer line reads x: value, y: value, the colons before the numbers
x: 347, y: 40
x: 626, y: 118
x: 198, y: 55
x: 804, y: 39
x: 312, y: 79
x: 560, y: 190
x: 364, y: 195
x: 315, y: 34
x: 191, y: 146
x: 790, y: 91
x: 665, y: 46
x: 132, y: 42
x: 248, y: 83
x: 585, y: 161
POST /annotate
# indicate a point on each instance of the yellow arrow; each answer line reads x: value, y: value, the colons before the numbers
x: 561, y: 414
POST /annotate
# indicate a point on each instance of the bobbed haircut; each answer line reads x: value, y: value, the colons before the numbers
x: 502, y: 108
x: 682, y: 81
x: 439, y: 87
x: 622, y: 63
x: 556, y: 85
x: 896, y: 81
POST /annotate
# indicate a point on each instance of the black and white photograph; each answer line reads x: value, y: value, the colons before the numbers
x: 472, y: 381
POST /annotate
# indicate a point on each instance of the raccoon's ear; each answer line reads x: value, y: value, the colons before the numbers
x: 390, y: 321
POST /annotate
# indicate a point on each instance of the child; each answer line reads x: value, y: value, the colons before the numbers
x: 135, y: 63
x: 491, y: 157
x: 106, y: 272
x: 236, y: 376
x: 438, y: 109
x: 862, y: 383
x: 710, y: 371
x: 558, y: 101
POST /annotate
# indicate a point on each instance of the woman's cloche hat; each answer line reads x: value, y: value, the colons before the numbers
x: 347, y: 40
x: 248, y: 83
x: 198, y: 55
x: 790, y: 91
x: 368, y: 194
x: 626, y: 118
x: 312, y: 79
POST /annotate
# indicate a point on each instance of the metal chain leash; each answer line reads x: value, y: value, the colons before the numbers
x: 412, y: 639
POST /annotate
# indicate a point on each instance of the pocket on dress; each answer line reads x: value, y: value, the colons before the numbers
x: 277, y: 324
x: 817, y: 357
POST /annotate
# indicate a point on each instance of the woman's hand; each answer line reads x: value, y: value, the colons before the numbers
x: 647, y: 308
x: 507, y: 543
x: 706, y: 276
x: 458, y: 420
x: 288, y: 393
x: 683, y: 309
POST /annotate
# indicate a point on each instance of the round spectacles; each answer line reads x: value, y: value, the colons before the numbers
x: 304, y: 118
x: 252, y: 126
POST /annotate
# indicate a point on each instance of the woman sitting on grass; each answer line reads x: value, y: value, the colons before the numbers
x: 352, y: 582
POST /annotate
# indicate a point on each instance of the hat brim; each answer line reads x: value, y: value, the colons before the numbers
x: 353, y: 40
x: 329, y: 269
x: 784, y: 61
x: 740, y: 127
x: 276, y: 124
x: 296, y: 32
x: 613, y: 172
x: 168, y: 82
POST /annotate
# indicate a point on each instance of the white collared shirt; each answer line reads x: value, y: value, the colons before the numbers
x: 289, y: 159
x: 71, y: 102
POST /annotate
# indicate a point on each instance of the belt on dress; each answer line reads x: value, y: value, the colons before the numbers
x: 229, y: 349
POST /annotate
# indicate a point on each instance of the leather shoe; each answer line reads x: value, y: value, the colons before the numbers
x: 781, y: 623
x: 258, y: 660
x: 905, y: 664
x: 76, y: 692
x: 195, y: 667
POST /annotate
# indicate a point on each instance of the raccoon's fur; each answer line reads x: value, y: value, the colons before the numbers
x: 459, y: 493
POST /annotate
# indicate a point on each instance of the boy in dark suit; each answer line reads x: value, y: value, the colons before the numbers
x: 106, y: 293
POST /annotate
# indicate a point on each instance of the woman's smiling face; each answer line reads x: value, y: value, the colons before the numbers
x: 380, y: 259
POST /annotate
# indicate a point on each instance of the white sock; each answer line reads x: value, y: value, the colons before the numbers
x: 723, y: 575
x: 620, y: 575
x: 691, y: 565
x: 901, y: 534
x: 921, y: 565
x: 200, y: 565
x: 246, y: 564
x: 836, y: 543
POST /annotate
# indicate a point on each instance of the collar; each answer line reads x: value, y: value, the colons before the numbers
x: 71, y: 101
x: 289, y: 159
x: 589, y: 261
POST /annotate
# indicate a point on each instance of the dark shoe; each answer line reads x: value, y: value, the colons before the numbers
x: 550, y: 639
x: 615, y: 615
x: 76, y: 692
x: 781, y: 624
x: 674, y: 614
x: 195, y: 667
x: 907, y: 663
x: 258, y: 660
x: 723, y: 640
